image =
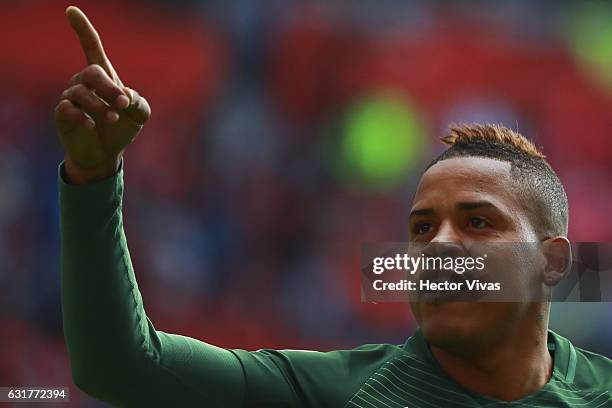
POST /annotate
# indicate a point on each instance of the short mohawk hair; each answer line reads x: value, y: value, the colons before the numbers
x: 497, y: 133
x: 543, y: 195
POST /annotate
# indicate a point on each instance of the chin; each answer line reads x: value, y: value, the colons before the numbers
x: 453, y: 325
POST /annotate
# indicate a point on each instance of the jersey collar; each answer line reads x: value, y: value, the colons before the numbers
x: 560, y: 348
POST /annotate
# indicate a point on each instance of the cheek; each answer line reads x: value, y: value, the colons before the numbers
x: 516, y: 267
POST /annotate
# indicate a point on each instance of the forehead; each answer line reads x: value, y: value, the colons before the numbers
x: 467, y: 178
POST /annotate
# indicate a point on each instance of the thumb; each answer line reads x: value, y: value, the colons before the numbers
x: 129, y: 94
x: 138, y: 109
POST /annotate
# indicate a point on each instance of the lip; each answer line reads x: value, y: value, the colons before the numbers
x: 440, y: 296
x: 451, y: 296
x: 461, y: 295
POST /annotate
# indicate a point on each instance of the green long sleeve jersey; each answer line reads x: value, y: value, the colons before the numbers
x: 118, y: 356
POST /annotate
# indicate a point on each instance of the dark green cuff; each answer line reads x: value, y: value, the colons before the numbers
x: 89, y: 198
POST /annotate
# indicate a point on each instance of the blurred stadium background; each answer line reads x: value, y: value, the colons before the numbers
x: 284, y: 134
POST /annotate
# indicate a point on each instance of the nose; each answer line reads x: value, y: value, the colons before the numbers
x: 446, y: 243
x: 446, y: 233
x: 444, y: 250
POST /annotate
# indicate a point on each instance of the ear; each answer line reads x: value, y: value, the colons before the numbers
x: 558, y: 257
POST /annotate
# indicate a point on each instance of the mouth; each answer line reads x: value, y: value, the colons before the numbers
x: 446, y: 286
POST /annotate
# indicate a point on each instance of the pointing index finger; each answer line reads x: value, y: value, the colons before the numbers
x: 89, y: 38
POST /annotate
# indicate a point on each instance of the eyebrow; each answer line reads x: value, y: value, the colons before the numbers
x: 424, y: 211
x: 474, y: 205
x: 460, y: 206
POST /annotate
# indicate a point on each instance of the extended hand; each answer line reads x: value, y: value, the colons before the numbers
x: 97, y: 116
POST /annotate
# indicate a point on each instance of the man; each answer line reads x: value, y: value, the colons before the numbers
x: 491, y: 185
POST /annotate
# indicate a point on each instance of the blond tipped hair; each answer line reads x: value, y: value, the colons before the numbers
x: 498, y: 133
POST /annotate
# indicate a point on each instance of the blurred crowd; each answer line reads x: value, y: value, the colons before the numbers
x: 284, y: 135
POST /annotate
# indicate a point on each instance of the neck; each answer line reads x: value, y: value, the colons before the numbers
x: 508, y: 370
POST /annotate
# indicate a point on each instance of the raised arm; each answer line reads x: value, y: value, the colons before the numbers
x: 115, y: 352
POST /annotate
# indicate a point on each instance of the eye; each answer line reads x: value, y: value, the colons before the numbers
x: 479, y: 223
x: 422, y: 228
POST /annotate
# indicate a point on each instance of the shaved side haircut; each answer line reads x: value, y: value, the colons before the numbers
x: 542, y: 194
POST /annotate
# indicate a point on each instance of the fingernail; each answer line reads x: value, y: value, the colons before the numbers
x: 90, y: 124
x: 112, y: 116
x: 123, y: 101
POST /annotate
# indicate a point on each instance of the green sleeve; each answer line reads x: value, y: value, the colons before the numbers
x: 315, y: 379
x: 116, y: 354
